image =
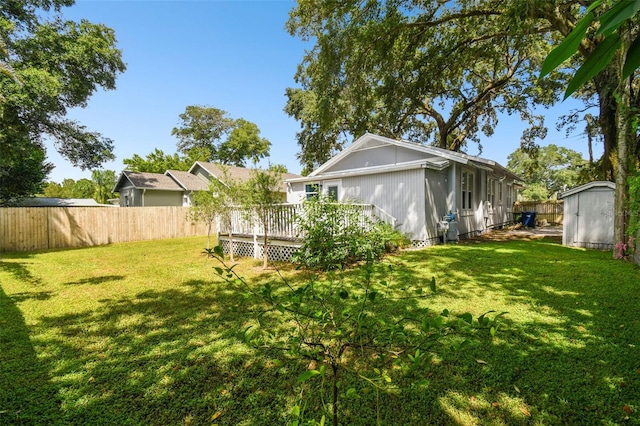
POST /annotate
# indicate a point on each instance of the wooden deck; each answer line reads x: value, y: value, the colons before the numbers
x: 284, y: 235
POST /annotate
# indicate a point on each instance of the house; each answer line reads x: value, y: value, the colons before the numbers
x: 189, y: 182
x: 175, y: 187
x: 208, y: 171
x: 588, y: 215
x: 418, y: 185
x: 142, y: 189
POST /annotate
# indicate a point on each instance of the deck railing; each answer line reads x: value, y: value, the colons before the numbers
x: 283, y: 224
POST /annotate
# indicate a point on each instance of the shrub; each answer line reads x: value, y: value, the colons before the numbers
x: 337, y: 234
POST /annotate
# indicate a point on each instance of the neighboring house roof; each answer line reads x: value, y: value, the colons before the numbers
x: 61, y: 202
x: 438, y: 159
x: 239, y: 173
x: 586, y: 186
x: 188, y: 181
x: 142, y: 180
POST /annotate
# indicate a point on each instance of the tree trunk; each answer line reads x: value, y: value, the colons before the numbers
x: 624, y: 141
x: 264, y: 246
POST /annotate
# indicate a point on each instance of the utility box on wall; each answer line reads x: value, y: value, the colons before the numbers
x: 588, y: 215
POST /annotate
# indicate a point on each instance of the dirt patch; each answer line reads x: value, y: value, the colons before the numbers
x: 519, y: 233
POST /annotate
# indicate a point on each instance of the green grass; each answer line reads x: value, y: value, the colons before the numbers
x: 144, y: 333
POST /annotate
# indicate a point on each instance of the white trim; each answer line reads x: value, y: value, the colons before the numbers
x: 409, y: 165
x: 335, y: 182
x: 594, y: 184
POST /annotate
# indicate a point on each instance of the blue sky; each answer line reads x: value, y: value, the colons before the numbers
x: 232, y: 55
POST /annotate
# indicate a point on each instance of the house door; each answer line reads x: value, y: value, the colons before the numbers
x: 333, y: 189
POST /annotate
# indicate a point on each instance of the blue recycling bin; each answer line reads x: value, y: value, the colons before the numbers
x: 529, y: 219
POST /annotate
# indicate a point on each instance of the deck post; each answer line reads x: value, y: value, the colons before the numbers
x: 256, y: 246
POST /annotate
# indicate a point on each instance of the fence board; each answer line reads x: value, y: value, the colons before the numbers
x: 40, y: 228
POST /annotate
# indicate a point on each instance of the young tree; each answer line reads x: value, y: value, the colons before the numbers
x: 49, y: 65
x: 226, y: 140
x: 262, y: 196
x: 218, y: 203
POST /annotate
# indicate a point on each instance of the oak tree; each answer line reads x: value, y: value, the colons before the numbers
x: 49, y: 65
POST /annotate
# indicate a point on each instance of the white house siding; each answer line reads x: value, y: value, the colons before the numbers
x: 401, y: 194
x: 436, y: 200
x: 378, y: 156
x: 296, y: 192
x: 588, y: 218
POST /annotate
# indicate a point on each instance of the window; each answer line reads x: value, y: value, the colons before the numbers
x: 466, y: 184
x: 509, y: 195
x: 332, y: 192
x: 500, y: 193
x: 491, y: 191
x: 312, y: 190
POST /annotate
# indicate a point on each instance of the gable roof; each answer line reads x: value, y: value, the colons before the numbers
x: 239, y: 173
x: 440, y: 158
x: 188, y: 181
x: 586, y: 186
x: 144, y: 180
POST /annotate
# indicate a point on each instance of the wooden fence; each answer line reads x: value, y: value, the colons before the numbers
x: 40, y: 228
x: 549, y: 211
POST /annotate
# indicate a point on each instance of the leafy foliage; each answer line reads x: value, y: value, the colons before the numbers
x: 437, y: 72
x: 23, y: 167
x: 205, y: 128
x: 343, y: 330
x: 336, y: 234
x: 548, y: 170
x: 262, y: 194
x: 50, y: 65
x: 217, y: 203
x: 157, y: 162
x: 623, y: 11
x: 98, y: 187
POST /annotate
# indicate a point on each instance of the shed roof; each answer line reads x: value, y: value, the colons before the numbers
x: 144, y: 180
x: 587, y: 186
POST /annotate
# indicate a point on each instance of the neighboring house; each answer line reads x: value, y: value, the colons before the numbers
x: 189, y: 182
x: 175, y: 187
x: 138, y: 189
x: 588, y: 215
x: 208, y: 171
x: 416, y: 184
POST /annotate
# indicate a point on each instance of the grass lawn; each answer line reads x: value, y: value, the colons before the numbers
x: 144, y: 333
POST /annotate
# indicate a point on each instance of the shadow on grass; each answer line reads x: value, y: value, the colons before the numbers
x: 19, y: 269
x: 98, y: 280
x: 163, y: 357
x: 569, y: 352
x: 566, y: 354
x: 28, y: 397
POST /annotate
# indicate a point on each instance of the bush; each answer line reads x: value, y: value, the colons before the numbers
x: 336, y: 234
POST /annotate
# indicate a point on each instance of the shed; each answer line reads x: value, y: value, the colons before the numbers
x: 588, y: 215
